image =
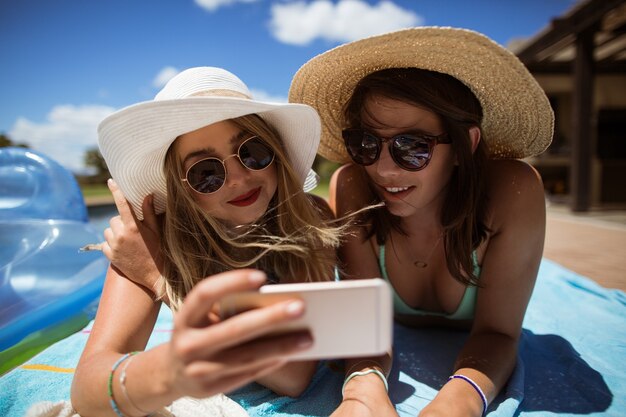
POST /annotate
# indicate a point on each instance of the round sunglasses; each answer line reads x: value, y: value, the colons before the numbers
x: 410, y: 151
x: 209, y: 175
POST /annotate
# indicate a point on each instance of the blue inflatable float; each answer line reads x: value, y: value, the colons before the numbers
x: 48, y: 289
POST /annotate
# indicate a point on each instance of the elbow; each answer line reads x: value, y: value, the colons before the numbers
x: 77, y: 400
x: 81, y: 392
x: 295, y: 385
x: 293, y: 389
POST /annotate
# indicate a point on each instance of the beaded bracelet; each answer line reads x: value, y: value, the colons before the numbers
x: 361, y: 373
x: 110, y: 384
x: 476, y: 387
x: 123, y: 386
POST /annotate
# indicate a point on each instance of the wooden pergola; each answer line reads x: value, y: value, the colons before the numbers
x: 588, y: 40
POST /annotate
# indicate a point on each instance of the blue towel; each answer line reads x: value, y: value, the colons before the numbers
x: 571, y: 361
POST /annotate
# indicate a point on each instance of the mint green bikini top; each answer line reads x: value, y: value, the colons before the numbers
x: 465, y: 310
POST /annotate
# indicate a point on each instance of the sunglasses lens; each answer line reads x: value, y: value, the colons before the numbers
x: 410, y: 152
x: 362, y: 147
x: 256, y: 154
x: 206, y: 176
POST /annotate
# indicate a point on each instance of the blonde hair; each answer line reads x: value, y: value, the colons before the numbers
x: 291, y: 240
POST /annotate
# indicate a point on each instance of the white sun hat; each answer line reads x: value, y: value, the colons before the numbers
x: 135, y: 139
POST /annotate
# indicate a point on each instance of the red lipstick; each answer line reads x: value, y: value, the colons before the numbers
x: 246, y: 199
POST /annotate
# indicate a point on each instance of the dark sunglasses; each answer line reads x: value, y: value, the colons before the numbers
x: 208, y: 175
x: 410, y: 151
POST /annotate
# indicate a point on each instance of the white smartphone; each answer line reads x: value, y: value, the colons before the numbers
x: 346, y: 318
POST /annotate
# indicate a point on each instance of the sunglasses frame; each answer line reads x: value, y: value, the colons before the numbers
x: 223, y: 162
x: 431, y: 140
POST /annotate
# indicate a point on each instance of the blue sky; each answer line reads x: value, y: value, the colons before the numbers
x: 67, y: 64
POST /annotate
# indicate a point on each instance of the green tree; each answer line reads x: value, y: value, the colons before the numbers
x: 93, y: 158
x: 6, y: 141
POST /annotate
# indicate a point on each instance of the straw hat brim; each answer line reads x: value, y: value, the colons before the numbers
x: 517, y: 118
x: 135, y: 140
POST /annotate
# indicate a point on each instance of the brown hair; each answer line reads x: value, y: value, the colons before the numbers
x: 291, y: 242
x: 464, y: 212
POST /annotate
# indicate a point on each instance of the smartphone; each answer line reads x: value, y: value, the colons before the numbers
x: 346, y: 318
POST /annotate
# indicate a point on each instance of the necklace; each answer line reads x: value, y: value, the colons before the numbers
x: 424, y: 263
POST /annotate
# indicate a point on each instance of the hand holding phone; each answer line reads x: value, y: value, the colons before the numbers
x: 346, y: 318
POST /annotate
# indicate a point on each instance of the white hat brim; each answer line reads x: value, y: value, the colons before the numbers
x: 135, y: 140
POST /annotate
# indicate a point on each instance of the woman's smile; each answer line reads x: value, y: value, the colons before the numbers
x: 246, y: 199
x: 395, y: 192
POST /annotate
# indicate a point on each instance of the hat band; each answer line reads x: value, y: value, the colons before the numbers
x: 220, y: 93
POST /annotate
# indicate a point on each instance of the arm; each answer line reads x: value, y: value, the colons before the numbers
x: 363, y: 395
x: 133, y: 247
x: 293, y: 378
x: 125, y: 317
x: 509, y: 270
x: 201, y: 359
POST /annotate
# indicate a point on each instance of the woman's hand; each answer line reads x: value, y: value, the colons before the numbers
x: 357, y: 408
x: 133, y: 246
x: 203, y: 357
x: 208, y: 357
x: 367, y: 407
x: 365, y: 396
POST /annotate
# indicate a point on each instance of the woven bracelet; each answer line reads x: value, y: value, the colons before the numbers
x: 476, y: 387
x: 110, y: 383
x: 361, y: 373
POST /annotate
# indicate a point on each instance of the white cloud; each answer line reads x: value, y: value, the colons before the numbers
x: 299, y: 22
x: 213, y: 5
x: 65, y: 135
x: 69, y: 131
x: 164, y: 76
x: 261, y: 95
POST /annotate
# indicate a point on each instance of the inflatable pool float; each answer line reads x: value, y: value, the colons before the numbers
x: 48, y: 289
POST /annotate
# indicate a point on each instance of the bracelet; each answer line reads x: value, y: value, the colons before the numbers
x: 361, y: 373
x: 114, y: 405
x: 476, y: 387
x: 366, y: 361
x: 123, y: 386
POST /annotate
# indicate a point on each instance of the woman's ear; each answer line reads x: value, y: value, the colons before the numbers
x: 474, y: 135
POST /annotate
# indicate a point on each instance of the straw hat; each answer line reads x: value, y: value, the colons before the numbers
x: 134, y: 140
x: 518, y: 121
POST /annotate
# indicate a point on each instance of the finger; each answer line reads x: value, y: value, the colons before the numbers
x: 107, y: 251
x: 125, y: 210
x: 234, y: 382
x: 109, y: 236
x: 116, y: 225
x: 149, y: 215
x: 212, y: 382
x: 199, y: 301
x: 242, y: 358
x: 240, y: 329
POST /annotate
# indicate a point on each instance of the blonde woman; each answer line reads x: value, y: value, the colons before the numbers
x: 228, y: 172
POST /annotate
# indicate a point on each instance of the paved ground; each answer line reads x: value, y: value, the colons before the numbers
x: 592, y: 244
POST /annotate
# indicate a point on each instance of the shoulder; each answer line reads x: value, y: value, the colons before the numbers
x: 321, y: 205
x: 513, y: 178
x: 348, y: 190
x: 344, y: 179
x: 345, y: 172
x: 514, y: 187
